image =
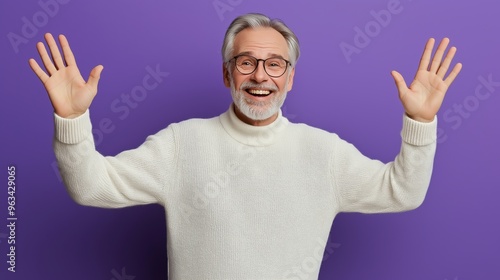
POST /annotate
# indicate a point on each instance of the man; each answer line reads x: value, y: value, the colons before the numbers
x: 247, y: 194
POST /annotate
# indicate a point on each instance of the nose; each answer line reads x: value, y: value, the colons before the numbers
x: 259, y: 75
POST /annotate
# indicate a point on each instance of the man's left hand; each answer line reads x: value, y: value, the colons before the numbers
x: 425, y: 95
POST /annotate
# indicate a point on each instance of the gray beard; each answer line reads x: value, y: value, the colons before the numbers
x: 257, y: 110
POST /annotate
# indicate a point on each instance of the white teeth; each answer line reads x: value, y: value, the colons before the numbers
x: 259, y: 92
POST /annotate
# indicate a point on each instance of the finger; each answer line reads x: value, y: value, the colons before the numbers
x: 446, y: 62
x: 38, y: 70
x: 400, y: 82
x: 54, y: 51
x: 426, y: 56
x: 438, y: 56
x: 94, y: 77
x: 47, y: 62
x: 453, y: 74
x: 68, y: 54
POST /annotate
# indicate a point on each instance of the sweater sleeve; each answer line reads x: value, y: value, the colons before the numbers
x: 133, y: 177
x: 370, y: 186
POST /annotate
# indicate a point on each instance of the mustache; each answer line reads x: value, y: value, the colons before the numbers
x: 248, y: 85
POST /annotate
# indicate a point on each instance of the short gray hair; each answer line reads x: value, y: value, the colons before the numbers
x: 259, y: 20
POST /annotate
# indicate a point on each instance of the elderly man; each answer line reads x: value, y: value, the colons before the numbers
x: 247, y: 194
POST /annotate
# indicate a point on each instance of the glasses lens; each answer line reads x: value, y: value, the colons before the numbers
x: 246, y: 64
x: 275, y: 66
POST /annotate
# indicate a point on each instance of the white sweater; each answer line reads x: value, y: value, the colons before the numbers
x: 241, y: 201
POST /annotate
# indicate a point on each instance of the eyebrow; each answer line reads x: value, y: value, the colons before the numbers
x: 270, y: 55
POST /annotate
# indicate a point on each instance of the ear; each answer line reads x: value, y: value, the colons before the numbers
x: 225, y: 75
x: 290, y: 79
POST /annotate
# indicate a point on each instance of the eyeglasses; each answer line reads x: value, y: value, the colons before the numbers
x: 274, y: 66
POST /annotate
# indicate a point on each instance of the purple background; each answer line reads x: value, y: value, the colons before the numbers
x: 455, y: 234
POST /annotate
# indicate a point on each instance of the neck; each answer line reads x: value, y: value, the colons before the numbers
x: 249, y: 134
x: 253, y: 122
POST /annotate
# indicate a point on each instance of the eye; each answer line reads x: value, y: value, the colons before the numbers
x: 275, y: 63
x: 246, y: 62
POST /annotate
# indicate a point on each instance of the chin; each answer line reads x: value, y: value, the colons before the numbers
x: 258, y: 112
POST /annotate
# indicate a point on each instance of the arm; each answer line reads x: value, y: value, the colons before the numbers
x: 132, y: 177
x: 137, y: 176
x: 369, y: 186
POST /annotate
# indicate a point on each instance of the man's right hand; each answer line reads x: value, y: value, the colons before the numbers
x: 70, y: 95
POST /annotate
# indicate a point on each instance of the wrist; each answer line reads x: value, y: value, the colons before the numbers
x: 420, y: 119
x: 66, y: 115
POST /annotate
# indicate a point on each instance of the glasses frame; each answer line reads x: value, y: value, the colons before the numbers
x: 263, y: 64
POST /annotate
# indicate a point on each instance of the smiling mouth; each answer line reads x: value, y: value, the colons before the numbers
x: 258, y: 92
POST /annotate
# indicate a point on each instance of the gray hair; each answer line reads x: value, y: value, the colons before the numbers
x: 255, y: 21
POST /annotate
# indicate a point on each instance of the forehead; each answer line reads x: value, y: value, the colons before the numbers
x: 261, y: 42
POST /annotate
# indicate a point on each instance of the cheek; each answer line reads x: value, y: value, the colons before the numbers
x: 238, y: 81
x: 281, y: 84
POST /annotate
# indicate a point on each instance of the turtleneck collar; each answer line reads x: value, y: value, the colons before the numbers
x: 252, y: 135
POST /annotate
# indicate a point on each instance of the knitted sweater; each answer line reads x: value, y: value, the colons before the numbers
x: 242, y: 201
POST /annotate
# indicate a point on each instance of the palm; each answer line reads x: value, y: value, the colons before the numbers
x: 69, y: 94
x: 425, y: 95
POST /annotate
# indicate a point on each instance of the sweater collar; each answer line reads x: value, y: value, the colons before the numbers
x: 249, y: 134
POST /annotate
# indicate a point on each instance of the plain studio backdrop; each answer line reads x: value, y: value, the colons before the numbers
x: 342, y: 84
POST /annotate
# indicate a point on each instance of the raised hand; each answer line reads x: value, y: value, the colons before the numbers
x: 425, y: 95
x: 69, y: 94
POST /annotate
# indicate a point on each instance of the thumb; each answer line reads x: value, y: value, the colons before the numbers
x: 94, y: 77
x: 400, y: 82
